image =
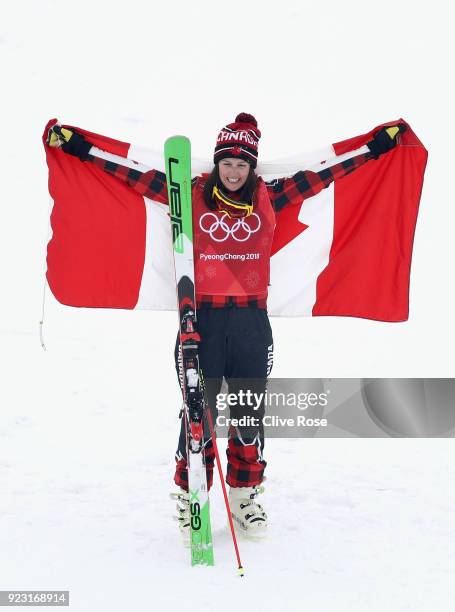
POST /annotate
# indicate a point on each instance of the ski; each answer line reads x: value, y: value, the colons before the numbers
x: 177, y: 153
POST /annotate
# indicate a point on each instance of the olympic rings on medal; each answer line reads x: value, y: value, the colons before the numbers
x: 219, y: 223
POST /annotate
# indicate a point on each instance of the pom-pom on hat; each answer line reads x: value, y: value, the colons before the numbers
x: 239, y: 139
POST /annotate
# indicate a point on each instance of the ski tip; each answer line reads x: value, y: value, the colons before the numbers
x: 177, y: 137
x: 241, y: 571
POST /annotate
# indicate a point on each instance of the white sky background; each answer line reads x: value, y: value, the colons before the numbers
x: 82, y: 412
x: 312, y: 74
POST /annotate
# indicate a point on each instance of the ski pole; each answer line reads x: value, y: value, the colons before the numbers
x: 223, y: 486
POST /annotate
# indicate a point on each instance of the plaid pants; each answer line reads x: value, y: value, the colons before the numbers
x: 237, y: 345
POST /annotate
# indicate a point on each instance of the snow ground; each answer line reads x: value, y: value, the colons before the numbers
x: 88, y: 428
x: 85, y: 472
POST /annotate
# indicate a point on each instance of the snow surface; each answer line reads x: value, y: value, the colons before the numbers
x: 85, y: 466
x: 88, y: 428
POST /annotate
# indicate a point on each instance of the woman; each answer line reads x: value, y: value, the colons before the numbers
x: 233, y: 222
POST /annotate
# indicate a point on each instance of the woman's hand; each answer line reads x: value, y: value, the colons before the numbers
x: 69, y: 141
x: 385, y: 139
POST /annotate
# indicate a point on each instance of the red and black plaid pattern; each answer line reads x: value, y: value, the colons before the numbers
x: 245, y: 468
x: 305, y: 184
x: 151, y: 184
x: 231, y: 301
x: 181, y: 469
x: 282, y: 192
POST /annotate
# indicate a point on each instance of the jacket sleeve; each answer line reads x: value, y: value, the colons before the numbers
x: 146, y: 181
x: 306, y: 183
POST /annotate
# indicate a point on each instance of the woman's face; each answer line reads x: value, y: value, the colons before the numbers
x: 233, y: 172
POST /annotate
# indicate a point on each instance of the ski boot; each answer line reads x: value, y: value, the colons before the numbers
x: 248, y: 516
x: 182, y: 516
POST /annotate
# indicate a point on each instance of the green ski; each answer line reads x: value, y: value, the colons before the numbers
x: 177, y: 152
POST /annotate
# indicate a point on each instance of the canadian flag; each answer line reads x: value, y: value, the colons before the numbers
x: 344, y: 252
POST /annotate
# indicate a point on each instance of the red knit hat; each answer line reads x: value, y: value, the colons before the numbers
x: 239, y: 139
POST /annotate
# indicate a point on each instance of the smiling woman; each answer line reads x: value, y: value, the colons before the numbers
x: 233, y: 224
x: 235, y: 160
x: 236, y: 197
x: 233, y: 173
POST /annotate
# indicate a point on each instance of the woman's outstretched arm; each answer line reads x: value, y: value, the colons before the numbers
x: 306, y: 183
x: 146, y: 181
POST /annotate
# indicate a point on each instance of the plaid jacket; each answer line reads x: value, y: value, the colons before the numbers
x: 282, y: 192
